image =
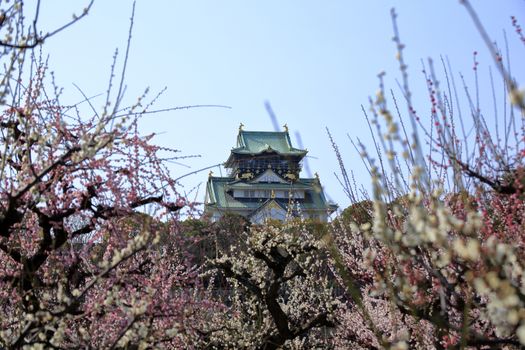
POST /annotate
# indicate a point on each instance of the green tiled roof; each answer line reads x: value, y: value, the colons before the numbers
x: 256, y: 142
x: 218, y: 197
x: 241, y: 185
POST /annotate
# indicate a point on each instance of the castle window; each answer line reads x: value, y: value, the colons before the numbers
x: 249, y: 194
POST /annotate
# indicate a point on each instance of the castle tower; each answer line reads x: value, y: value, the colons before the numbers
x: 264, y: 181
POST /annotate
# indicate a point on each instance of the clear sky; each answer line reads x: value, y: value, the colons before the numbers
x: 315, y: 61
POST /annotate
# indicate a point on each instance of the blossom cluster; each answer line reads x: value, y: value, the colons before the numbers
x: 434, y: 258
x: 278, y: 291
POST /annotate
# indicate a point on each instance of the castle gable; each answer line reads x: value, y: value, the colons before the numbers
x: 270, y: 210
x: 269, y: 176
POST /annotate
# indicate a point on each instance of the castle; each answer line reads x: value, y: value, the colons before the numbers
x: 263, y: 181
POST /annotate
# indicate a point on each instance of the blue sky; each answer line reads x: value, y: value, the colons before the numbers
x: 315, y: 61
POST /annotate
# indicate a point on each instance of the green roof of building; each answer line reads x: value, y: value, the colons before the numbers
x: 217, y: 188
x: 256, y: 142
x: 241, y: 185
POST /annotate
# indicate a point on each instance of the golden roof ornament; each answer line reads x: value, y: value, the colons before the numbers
x: 273, y: 194
x: 317, y: 176
x: 241, y: 126
x: 285, y: 126
x: 210, y: 174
